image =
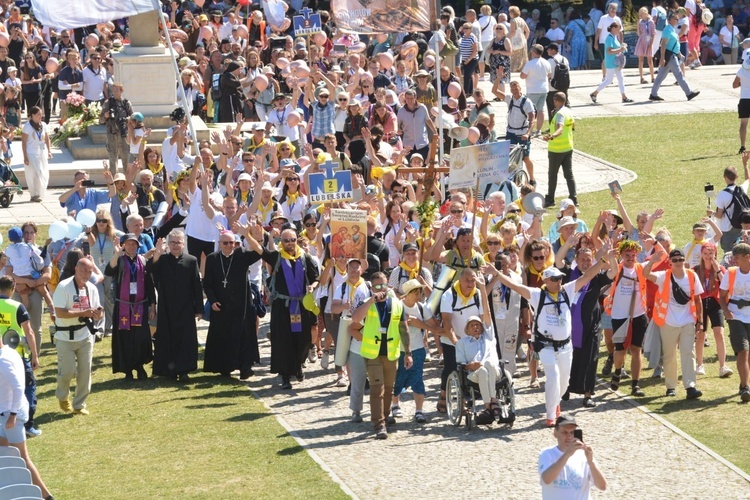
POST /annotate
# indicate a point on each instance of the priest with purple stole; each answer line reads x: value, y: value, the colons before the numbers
x: 294, y: 275
x: 135, y: 304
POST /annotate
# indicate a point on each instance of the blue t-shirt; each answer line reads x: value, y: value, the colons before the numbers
x: 610, y: 43
x: 90, y: 200
x: 673, y: 39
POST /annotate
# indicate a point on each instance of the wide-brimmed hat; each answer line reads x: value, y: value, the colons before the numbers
x: 411, y: 285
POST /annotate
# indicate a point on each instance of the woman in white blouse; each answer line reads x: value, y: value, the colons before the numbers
x: 37, y: 150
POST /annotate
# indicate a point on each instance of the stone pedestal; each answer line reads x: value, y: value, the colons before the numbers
x: 146, y: 70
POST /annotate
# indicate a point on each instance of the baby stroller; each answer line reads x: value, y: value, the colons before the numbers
x: 462, y: 395
x: 10, y: 185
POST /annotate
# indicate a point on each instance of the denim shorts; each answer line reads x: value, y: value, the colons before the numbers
x: 413, y: 377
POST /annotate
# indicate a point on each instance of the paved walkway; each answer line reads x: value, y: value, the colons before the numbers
x: 438, y: 460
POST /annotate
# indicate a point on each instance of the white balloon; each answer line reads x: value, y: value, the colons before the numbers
x: 74, y: 229
x: 58, y: 230
x: 86, y: 217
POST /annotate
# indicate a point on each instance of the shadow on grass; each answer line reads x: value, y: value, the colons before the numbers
x: 292, y: 450
x: 707, y: 157
x: 248, y: 417
x: 209, y: 405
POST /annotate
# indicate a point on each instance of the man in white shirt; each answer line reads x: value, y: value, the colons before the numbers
x: 554, y: 33
x: 537, y: 73
x: 565, y: 473
x: 95, y: 80
x: 725, y: 205
x: 76, y: 305
x: 734, y: 299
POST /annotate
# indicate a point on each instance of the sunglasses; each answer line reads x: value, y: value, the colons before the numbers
x: 493, y: 243
x: 310, y: 224
x: 675, y: 261
x: 514, y: 211
x: 457, y: 211
x: 292, y: 179
x: 227, y: 243
x: 381, y: 286
x: 343, y: 100
x: 101, y: 221
x: 248, y: 160
x: 538, y: 257
x: 323, y: 97
x: 289, y: 240
x: 556, y: 278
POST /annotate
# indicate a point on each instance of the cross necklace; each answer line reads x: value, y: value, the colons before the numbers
x: 226, y: 273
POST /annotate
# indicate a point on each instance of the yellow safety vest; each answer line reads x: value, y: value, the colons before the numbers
x: 371, y: 336
x: 8, y: 321
x: 564, y: 142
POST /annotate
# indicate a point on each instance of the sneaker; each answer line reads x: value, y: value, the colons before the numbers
x: 420, y: 418
x: 742, y: 150
x: 725, y: 372
x: 389, y: 420
x: 31, y: 432
x: 607, y: 368
x: 396, y: 411
x: 615, y: 382
x: 624, y: 374
x: 671, y: 393
x: 428, y: 358
x: 700, y: 370
x: 693, y: 393
x: 745, y: 394
x: 66, y: 406
x: 657, y: 372
x: 706, y: 343
x: 325, y: 360
x: 637, y: 391
x: 81, y: 411
x: 342, y: 381
x: 440, y: 360
x: 381, y: 433
x: 627, y: 100
x: 593, y: 97
x: 548, y: 203
x: 589, y: 403
x: 654, y: 98
x: 693, y: 95
x: 356, y: 417
x: 312, y: 356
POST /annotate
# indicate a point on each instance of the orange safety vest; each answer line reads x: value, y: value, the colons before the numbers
x: 662, y: 298
x: 610, y: 299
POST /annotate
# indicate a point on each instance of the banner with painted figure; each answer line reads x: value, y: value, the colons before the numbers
x: 382, y: 16
x: 487, y: 162
x: 349, y: 234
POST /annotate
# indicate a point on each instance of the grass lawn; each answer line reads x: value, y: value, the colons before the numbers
x: 674, y: 156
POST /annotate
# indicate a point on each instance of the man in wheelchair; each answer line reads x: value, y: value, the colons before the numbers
x: 478, y: 355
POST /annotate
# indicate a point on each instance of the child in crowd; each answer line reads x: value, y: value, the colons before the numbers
x: 12, y: 108
x: 13, y: 80
x: 27, y: 264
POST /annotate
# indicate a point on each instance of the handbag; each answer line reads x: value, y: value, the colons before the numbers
x: 726, y: 50
x: 620, y: 60
x: 449, y: 49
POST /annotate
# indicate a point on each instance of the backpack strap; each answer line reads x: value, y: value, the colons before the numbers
x: 455, y: 299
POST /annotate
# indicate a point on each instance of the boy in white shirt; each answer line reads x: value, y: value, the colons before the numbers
x: 13, y: 80
x: 26, y: 263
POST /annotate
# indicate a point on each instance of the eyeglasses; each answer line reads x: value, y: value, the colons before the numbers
x: 514, y: 211
x: 227, y: 243
x: 538, y: 257
x: 381, y: 286
x: 289, y: 240
x: 102, y: 221
x: 248, y: 160
x: 293, y: 179
x: 457, y: 211
x: 556, y: 278
x: 493, y: 243
x: 676, y: 261
x: 310, y: 224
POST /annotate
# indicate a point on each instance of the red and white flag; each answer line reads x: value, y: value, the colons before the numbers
x: 77, y: 13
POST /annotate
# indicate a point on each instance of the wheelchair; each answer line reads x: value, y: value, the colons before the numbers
x: 463, y: 399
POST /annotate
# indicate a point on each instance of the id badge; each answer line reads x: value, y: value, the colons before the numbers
x: 133, y: 288
x: 101, y: 262
x: 382, y: 330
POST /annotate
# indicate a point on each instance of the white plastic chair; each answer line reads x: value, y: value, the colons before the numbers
x: 9, y: 451
x: 11, y: 462
x: 20, y: 491
x: 14, y: 475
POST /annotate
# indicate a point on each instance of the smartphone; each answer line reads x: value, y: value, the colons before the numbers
x: 88, y: 183
x: 86, y: 248
x: 578, y: 433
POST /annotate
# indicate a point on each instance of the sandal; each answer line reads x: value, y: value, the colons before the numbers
x: 534, y: 384
x: 643, y: 81
x: 441, y: 406
x: 495, y: 407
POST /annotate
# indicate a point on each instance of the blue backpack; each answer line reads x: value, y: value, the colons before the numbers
x: 661, y: 19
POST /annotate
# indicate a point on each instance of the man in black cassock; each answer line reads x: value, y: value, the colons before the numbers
x: 232, y: 341
x: 180, y: 293
x: 294, y: 275
x: 135, y: 299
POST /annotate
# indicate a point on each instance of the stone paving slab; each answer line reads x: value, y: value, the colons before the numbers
x: 640, y: 457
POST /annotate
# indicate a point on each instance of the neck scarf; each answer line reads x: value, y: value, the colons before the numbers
x: 155, y: 169
x: 291, y: 198
x: 692, y: 246
x: 294, y: 275
x: 534, y: 272
x: 297, y: 253
x: 339, y: 271
x: 150, y: 195
x: 353, y: 288
x: 413, y: 271
x: 464, y: 299
x: 131, y: 312
x: 264, y: 209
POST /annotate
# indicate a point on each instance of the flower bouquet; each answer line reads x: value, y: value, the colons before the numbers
x: 80, y: 116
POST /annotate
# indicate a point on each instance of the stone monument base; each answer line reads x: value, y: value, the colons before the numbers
x: 149, y: 79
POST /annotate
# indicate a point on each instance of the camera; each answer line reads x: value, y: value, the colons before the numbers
x: 88, y: 183
x: 709, y: 189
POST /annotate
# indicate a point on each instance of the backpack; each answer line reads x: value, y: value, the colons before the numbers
x: 455, y: 299
x: 661, y: 19
x: 215, y: 88
x: 541, y: 304
x: 561, y: 77
x: 742, y: 202
x: 520, y: 106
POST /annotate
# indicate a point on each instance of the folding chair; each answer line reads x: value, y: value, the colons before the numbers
x: 20, y: 492
x: 9, y: 451
x: 14, y: 475
x: 12, y: 462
